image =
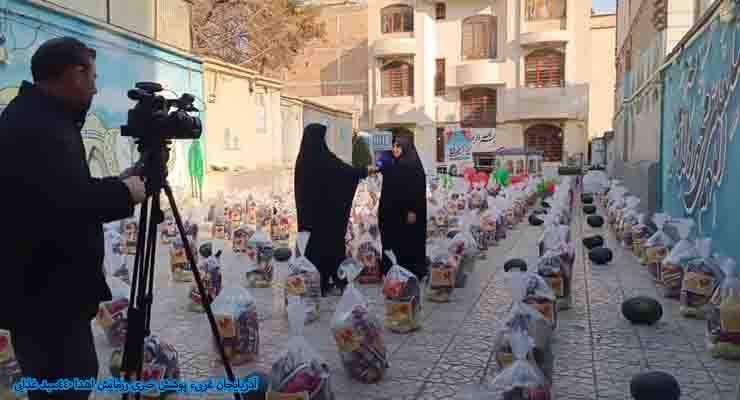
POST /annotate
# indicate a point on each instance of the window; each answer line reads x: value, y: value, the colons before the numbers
x: 479, y: 37
x: 439, y: 78
x: 546, y: 138
x: 519, y: 167
x: 397, y: 79
x: 397, y: 19
x: 545, y: 9
x: 544, y: 68
x: 440, y: 11
x: 479, y: 108
x: 440, y: 144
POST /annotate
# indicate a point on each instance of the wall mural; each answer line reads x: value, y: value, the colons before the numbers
x: 107, y: 151
x: 701, y: 114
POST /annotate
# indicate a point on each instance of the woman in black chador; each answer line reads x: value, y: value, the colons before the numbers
x: 402, y: 213
x: 324, y: 189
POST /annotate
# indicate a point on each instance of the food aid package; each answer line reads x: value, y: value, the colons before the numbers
x: 640, y: 234
x: 701, y: 278
x: 520, y: 318
x: 558, y: 274
x: 210, y: 277
x: 280, y: 229
x: 488, y: 225
x: 672, y: 267
x: 358, y: 332
x: 10, y: 369
x: 240, y: 238
x: 112, y: 316
x: 259, y: 261
x: 367, y: 251
x: 300, y: 371
x: 631, y: 219
x: 554, y: 235
x: 723, y: 315
x: 627, y: 217
x: 521, y: 380
x: 168, y: 229
x: 535, y: 291
x: 160, y: 362
x: 180, y: 268
x: 443, y: 270
x: 115, y: 262
x: 465, y: 240
x: 304, y: 280
x: 477, y: 199
x: 235, y: 311
x: 402, y: 292
x: 657, y: 246
x: 130, y: 233
x: 476, y: 231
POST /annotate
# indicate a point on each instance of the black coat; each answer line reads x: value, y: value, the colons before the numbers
x: 324, y: 189
x: 52, y: 238
x: 404, y: 191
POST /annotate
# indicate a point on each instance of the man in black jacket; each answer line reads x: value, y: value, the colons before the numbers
x: 53, y: 246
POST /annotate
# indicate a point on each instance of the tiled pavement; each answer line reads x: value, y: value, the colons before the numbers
x: 596, y: 350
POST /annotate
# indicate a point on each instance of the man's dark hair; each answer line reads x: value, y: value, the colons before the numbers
x: 54, y: 56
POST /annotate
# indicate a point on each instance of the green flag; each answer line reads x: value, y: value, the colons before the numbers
x: 195, y: 164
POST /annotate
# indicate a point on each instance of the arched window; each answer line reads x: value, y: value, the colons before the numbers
x: 397, y: 79
x: 544, y: 68
x: 397, y: 18
x: 479, y: 108
x: 546, y: 138
x: 479, y: 37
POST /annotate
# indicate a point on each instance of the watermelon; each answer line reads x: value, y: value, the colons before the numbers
x: 589, y: 209
x: 539, y: 212
x: 282, y: 254
x: 587, y: 196
x: 651, y: 385
x: 600, y: 255
x: 534, y: 221
x: 592, y: 242
x: 452, y: 234
x: 595, y: 221
x: 206, y: 250
x: 587, y: 200
x: 545, y: 204
x: 515, y: 263
x: 642, y: 310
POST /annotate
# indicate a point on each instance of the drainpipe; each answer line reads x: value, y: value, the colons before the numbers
x: 661, y: 129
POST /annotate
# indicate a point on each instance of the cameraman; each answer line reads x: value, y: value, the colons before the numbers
x: 52, y: 238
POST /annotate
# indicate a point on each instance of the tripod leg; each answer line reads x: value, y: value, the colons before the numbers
x: 205, y: 298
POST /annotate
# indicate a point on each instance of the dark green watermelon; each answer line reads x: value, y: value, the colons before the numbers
x: 589, y: 209
x: 534, y: 221
x: 452, y: 234
x: 539, y: 212
x: 515, y: 263
x: 600, y: 256
x: 585, y: 196
x: 206, y: 250
x: 592, y: 242
x: 595, y: 221
x: 545, y: 204
x: 642, y: 310
x: 652, y: 385
x: 587, y: 200
x: 282, y: 254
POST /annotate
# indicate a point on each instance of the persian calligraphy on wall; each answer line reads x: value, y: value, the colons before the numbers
x: 701, y: 114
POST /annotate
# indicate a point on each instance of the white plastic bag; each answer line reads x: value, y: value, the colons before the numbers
x: 259, y: 261
x: 672, y: 267
x: 402, y: 292
x: 304, y: 279
x: 112, y: 317
x: 443, y: 270
x: 357, y: 332
x: 723, y: 315
x: 657, y: 246
x: 701, y: 278
x: 235, y: 311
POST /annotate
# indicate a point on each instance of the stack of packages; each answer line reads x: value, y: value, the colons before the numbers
x: 304, y: 280
x: 235, y: 312
x: 672, y: 267
x: 616, y: 206
x: 112, y: 315
x: 489, y: 223
x: 641, y: 232
x: 437, y: 224
x: 259, y: 259
x: 10, y: 370
x: 180, y: 268
x: 280, y: 228
x: 160, y: 362
x: 657, y: 246
x: 366, y: 247
x: 300, y: 372
x: 241, y: 237
x: 626, y: 217
x: 443, y: 271
x: 723, y: 315
x: 358, y: 333
x: 115, y: 262
x: 402, y: 292
x: 700, y: 280
x: 210, y: 277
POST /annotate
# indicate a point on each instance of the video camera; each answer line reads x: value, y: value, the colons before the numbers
x: 151, y: 117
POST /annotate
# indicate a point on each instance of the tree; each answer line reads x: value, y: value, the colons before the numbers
x: 263, y: 35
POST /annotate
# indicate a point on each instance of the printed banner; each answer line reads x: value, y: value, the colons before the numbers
x: 458, y: 146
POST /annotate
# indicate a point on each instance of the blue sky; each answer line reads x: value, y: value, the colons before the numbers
x: 603, y: 6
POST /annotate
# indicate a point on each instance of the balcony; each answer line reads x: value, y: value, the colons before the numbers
x: 530, y: 39
x: 482, y: 72
x: 393, y: 46
x: 570, y: 102
x: 397, y: 111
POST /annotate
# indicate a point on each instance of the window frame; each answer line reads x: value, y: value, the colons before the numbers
x: 467, y: 96
x: 536, y: 63
x: 440, y: 77
x: 440, y: 11
x: 488, y: 24
x: 531, y: 16
x: 386, y: 85
x: 396, y: 18
x: 550, y: 155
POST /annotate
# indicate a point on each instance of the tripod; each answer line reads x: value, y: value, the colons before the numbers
x: 152, y: 165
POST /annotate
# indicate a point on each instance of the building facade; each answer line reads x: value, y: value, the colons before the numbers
x: 516, y: 73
